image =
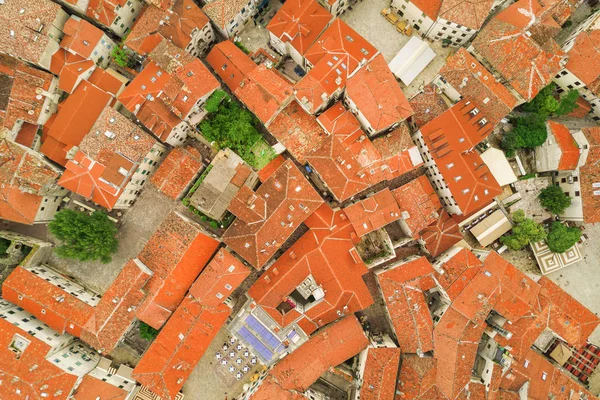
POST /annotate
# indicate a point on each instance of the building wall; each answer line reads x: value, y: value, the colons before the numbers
x: 49, y: 207
x: 566, y: 81
x: 67, y: 285
x: 457, y: 34
x: 415, y: 17
x: 178, y: 134
x: 435, y: 177
x: 56, y: 34
x: 101, y: 53
x: 233, y: 27
x: 570, y: 185
x: 336, y: 7
x: 201, y: 39
x: 141, y: 176
x: 126, y: 17
x: 279, y: 45
x: 77, y: 358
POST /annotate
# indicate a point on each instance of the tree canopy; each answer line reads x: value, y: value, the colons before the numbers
x: 121, y: 57
x: 147, y: 332
x: 560, y: 238
x: 554, y: 199
x: 545, y: 103
x: 524, y: 232
x: 84, y: 237
x: 529, y: 131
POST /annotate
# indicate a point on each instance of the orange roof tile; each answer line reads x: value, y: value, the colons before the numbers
x: 584, y: 59
x: 590, y: 175
x: 582, y: 110
x: 284, y: 201
x: 104, y: 11
x: 230, y: 63
x: 297, y: 130
x: 377, y: 95
x: 417, y: 379
x: 441, y: 235
x: 427, y: 105
x: 418, y: 203
x: 469, y: 13
x: 70, y: 69
x: 176, y: 253
x: 476, y: 83
x: 504, y: 42
x: 222, y: 12
x: 39, y: 297
x: 25, y: 176
x: 106, y: 81
x: 329, y: 347
x: 185, y: 17
x: 300, y: 23
x: 80, y: 37
x: 374, y: 212
x: 74, y: 120
x: 457, y: 272
x: 30, y: 375
x: 327, y: 253
x: 569, y: 149
x: 223, y: 274
x: 114, y: 314
x: 335, y: 56
x: 177, y: 171
x: 406, y: 304
x: 91, y: 388
x: 271, y: 167
x: 450, y: 139
x: 381, y: 372
x: 144, y: 36
x: 27, y: 134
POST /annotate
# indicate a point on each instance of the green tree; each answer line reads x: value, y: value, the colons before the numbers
x: 554, y: 199
x: 511, y: 142
x: 568, y: 103
x: 121, y: 57
x: 532, y: 130
x: 560, y: 238
x: 84, y: 237
x: 524, y: 232
x: 215, y: 99
x: 147, y: 332
x: 544, y: 103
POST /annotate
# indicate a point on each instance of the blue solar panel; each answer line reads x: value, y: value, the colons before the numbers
x: 267, y: 337
x: 256, y: 344
x: 291, y: 334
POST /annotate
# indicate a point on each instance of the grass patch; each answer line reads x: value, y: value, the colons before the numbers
x: 263, y: 154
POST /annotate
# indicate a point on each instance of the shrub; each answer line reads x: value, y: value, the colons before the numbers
x: 147, y: 332
x: 560, y: 238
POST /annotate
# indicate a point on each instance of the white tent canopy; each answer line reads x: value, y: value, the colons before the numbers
x: 411, y: 60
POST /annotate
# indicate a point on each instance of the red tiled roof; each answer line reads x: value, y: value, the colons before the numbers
x: 468, y: 13
x: 24, y: 175
x: 327, y: 253
x: 417, y: 380
x: 176, y: 253
x: 329, y: 347
x: 171, y: 358
x: 270, y: 168
x: 335, y: 56
x: 419, y: 204
x: 92, y: 388
x: 582, y: 110
x: 74, y: 120
x: 39, y: 298
x: 458, y: 271
x: 177, y: 171
x: 299, y: 22
x: 406, y: 304
x: 584, y: 59
x: 377, y: 95
x: 450, y: 139
x: 106, y: 81
x: 262, y: 90
x: 104, y: 11
x: 381, y: 372
x: 223, y: 274
x: 374, y: 212
x: 222, y: 12
x: 590, y: 175
x: 27, y: 134
x: 297, y: 130
x: 144, y: 35
x: 441, y: 235
x: 504, y: 42
x: 81, y: 37
x: 569, y: 149
x: 473, y: 81
x: 114, y: 314
x: 185, y: 17
x: 30, y: 375
x: 266, y: 218
x: 70, y: 69
x: 427, y: 105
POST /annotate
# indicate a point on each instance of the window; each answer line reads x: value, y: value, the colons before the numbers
x: 577, y: 193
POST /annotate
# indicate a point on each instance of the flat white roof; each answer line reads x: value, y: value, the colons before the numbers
x: 411, y: 60
x: 499, y: 166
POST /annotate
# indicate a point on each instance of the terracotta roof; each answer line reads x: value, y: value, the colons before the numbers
x: 74, y: 120
x: 171, y: 358
x: 107, y: 80
x: 381, y: 372
x: 144, y: 35
x: 20, y: 85
x: 223, y: 274
x: 417, y: 380
x: 590, y: 175
x: 377, y: 95
x: 419, y: 204
x: 70, y: 69
x: 329, y: 347
x: 177, y: 171
x: 468, y: 13
x: 374, y: 212
x: 441, y: 235
x: 176, y: 253
x: 504, y: 42
x: 25, y: 27
x: 584, y: 59
x: 39, y: 298
x: 30, y: 375
x: 300, y: 23
x: 104, y: 11
x: 327, y: 253
x: 91, y: 388
x: 266, y: 218
x: 270, y: 168
x: 81, y: 37
x: 185, y: 17
x: 335, y: 56
x: 27, y: 134
x: 25, y: 176
x: 457, y: 271
x: 450, y: 139
x: 569, y: 149
x: 261, y: 89
x: 223, y: 11
x: 406, y: 304
x: 473, y: 81
x: 297, y: 130
x: 582, y: 110
x: 427, y: 105
x: 114, y: 314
